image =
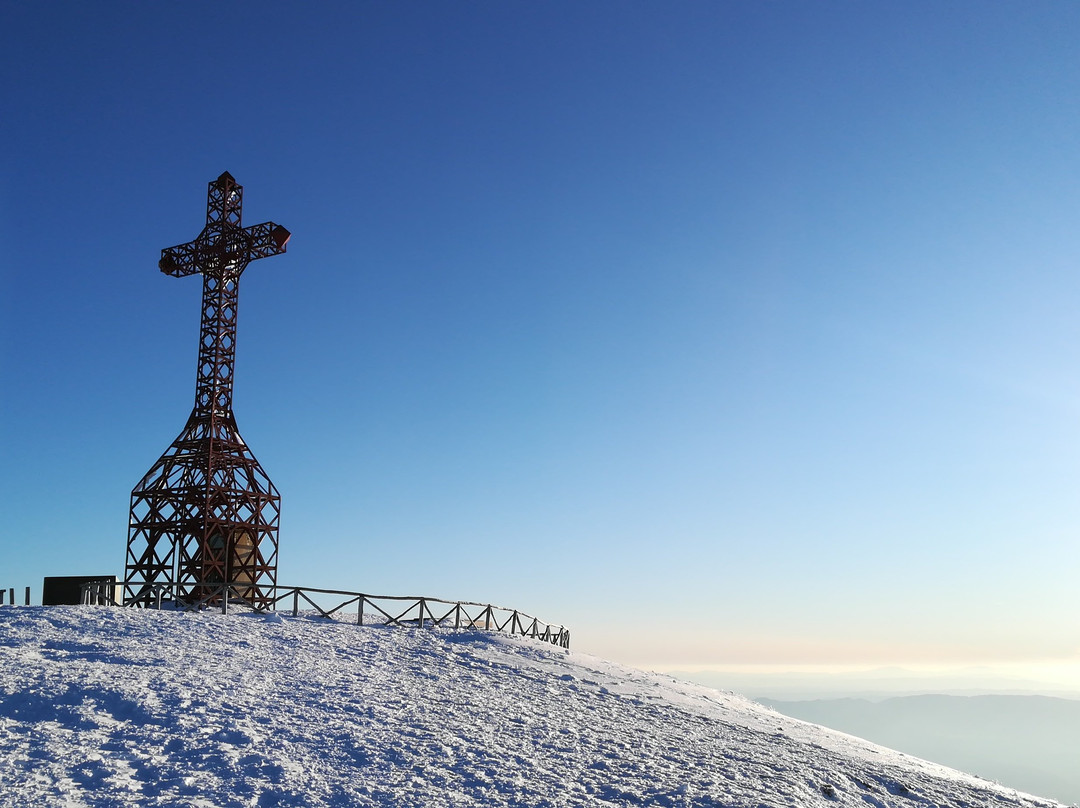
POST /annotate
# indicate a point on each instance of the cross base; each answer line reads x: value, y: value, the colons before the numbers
x: 206, y: 512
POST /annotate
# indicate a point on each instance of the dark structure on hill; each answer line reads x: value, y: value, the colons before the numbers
x: 206, y: 513
x: 67, y: 590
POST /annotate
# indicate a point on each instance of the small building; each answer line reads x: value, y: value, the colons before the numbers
x: 66, y: 590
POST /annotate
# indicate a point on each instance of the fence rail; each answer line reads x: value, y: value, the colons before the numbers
x: 385, y: 610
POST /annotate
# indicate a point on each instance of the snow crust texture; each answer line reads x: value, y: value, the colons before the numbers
x: 117, y: 707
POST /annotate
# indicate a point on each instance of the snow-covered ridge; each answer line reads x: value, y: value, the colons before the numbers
x: 117, y: 707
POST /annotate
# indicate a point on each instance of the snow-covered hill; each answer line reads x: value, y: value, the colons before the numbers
x: 117, y: 707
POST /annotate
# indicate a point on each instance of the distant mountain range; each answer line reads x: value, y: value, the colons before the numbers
x: 1031, y: 743
x: 877, y: 684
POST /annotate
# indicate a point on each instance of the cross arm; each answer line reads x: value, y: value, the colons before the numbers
x: 179, y: 261
x: 266, y: 239
x: 257, y: 241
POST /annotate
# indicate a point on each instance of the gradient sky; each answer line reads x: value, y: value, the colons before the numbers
x: 724, y: 333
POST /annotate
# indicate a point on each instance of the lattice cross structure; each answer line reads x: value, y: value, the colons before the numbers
x: 206, y: 513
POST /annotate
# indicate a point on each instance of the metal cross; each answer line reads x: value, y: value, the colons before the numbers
x: 204, y: 520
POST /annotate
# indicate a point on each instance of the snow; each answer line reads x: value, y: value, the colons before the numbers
x: 115, y: 707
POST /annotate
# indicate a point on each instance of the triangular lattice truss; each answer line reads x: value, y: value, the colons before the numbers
x: 206, y: 513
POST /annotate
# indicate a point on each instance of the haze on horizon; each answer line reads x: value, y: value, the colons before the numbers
x: 727, y: 334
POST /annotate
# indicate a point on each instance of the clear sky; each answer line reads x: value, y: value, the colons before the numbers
x: 728, y: 334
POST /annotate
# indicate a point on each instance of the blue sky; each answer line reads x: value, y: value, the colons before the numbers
x: 725, y: 333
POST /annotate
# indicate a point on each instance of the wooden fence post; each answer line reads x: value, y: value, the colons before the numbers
x: 360, y: 612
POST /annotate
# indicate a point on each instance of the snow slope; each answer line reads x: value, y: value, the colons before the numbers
x: 118, y: 707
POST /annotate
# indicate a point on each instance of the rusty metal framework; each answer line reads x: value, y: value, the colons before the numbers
x: 206, y: 513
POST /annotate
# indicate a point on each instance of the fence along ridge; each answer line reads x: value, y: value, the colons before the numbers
x: 101, y: 593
